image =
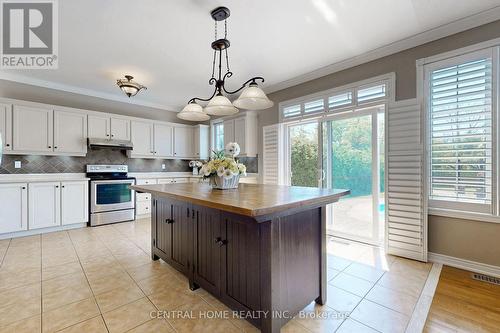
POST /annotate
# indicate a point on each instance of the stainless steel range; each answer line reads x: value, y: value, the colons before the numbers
x: 111, y: 199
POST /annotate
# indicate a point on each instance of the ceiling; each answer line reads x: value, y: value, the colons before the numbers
x: 165, y: 44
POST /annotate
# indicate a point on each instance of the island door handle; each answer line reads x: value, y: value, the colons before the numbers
x: 169, y: 221
x: 220, y: 241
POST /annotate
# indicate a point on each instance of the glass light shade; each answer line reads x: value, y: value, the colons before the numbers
x: 253, y: 98
x: 129, y: 90
x: 193, y: 112
x: 220, y: 105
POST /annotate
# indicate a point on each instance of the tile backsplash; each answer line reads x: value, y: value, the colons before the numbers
x: 73, y: 164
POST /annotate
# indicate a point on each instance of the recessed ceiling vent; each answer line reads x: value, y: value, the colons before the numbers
x: 486, y: 278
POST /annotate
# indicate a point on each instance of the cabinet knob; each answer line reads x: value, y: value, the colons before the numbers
x: 7, y: 145
x: 62, y: 186
x: 50, y: 146
x: 24, y: 187
x: 57, y: 186
x: 55, y: 147
x: 112, y: 135
x: 107, y: 134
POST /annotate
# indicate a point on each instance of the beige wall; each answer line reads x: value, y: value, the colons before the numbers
x: 470, y: 240
x: 31, y: 93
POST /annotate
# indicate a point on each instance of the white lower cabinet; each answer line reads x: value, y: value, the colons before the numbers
x: 44, y: 205
x: 53, y: 204
x: 13, y: 207
x: 74, y: 202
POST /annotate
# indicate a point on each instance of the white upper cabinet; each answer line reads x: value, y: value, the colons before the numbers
x: 99, y: 127
x: 44, y: 205
x: 74, y: 202
x: 201, y: 137
x: 163, y: 140
x: 120, y: 128
x: 32, y: 129
x: 142, y: 139
x: 13, y: 207
x: 6, y: 126
x: 183, y: 142
x: 70, y: 132
x: 242, y: 130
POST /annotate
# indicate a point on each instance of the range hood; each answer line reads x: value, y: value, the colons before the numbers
x: 112, y: 144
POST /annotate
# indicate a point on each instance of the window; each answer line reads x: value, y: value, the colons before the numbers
x: 461, y: 133
x: 360, y: 95
x: 218, y: 136
x: 369, y: 94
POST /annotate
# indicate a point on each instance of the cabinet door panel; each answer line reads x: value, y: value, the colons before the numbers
x: 163, y: 140
x: 98, y: 127
x: 6, y: 126
x: 183, y: 142
x: 142, y: 137
x: 44, y: 205
x: 120, y: 129
x: 74, y: 202
x: 70, y: 132
x: 207, y: 253
x: 32, y: 129
x: 241, y: 263
x: 13, y: 207
x: 240, y: 133
x: 180, y: 235
x: 228, y: 132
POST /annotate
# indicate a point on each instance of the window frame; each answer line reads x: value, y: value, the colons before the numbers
x: 458, y: 209
x: 213, y: 133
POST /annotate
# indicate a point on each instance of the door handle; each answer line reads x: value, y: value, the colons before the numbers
x: 169, y: 221
x: 220, y: 241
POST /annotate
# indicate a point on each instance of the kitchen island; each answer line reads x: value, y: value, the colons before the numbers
x: 260, y: 249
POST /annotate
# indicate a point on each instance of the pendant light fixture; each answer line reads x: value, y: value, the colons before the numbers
x: 129, y: 87
x: 251, y: 98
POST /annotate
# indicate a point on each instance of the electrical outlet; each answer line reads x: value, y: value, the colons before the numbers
x: 17, y: 164
x: 163, y: 167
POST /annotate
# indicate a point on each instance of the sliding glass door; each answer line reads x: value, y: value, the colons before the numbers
x: 343, y: 151
x: 353, y: 159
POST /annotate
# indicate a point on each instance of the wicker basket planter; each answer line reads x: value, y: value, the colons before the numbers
x: 222, y: 183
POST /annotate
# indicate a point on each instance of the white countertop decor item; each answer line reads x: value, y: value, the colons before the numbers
x: 223, y: 169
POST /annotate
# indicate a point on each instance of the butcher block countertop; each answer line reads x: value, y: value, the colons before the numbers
x: 248, y: 199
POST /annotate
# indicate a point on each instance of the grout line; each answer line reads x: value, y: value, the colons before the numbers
x: 421, y: 310
x: 88, y: 282
x: 5, y: 253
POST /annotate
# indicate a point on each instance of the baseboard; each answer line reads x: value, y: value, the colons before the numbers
x: 468, y: 265
x: 42, y: 230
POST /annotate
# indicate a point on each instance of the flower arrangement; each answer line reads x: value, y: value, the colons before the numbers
x: 223, y: 169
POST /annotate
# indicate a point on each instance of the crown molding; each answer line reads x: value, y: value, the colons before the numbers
x: 83, y: 91
x: 445, y: 30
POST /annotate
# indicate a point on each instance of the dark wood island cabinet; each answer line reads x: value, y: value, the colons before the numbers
x: 260, y: 249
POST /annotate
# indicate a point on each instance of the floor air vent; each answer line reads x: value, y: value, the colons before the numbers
x: 486, y: 278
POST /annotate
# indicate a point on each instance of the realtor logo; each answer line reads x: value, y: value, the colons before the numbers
x: 29, y: 34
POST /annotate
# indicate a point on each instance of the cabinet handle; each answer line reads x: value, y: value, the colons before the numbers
x: 7, y: 145
x: 57, y: 186
x: 112, y: 135
x: 62, y: 186
x: 24, y: 187
x: 55, y: 147
x: 50, y: 146
x: 220, y: 241
x: 107, y: 134
x: 169, y: 221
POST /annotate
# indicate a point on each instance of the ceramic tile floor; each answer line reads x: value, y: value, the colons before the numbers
x: 102, y: 280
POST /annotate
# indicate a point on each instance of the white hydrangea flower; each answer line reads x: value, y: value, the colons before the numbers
x: 228, y: 174
x: 220, y: 171
x: 242, y: 168
x: 233, y: 149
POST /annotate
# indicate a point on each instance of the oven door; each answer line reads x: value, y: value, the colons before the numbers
x: 110, y: 195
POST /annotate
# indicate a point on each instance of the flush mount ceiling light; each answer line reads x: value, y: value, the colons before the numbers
x: 129, y: 87
x: 251, y: 98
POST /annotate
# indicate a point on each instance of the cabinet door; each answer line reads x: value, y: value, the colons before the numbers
x: 201, y: 142
x: 32, y: 129
x: 163, y: 140
x: 228, y: 132
x: 99, y: 127
x: 120, y: 129
x: 70, y: 132
x: 240, y: 133
x: 163, y: 228
x: 208, y: 242
x: 180, y: 235
x: 183, y: 142
x: 142, y: 138
x: 44, y: 205
x: 6, y: 126
x: 241, y: 261
x: 13, y: 207
x: 74, y: 202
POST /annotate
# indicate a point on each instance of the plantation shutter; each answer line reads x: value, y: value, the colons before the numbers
x: 406, y: 212
x: 271, y: 154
